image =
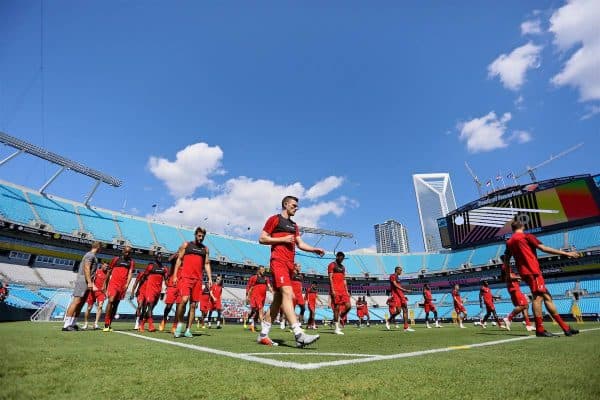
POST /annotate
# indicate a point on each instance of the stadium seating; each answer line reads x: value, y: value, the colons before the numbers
x: 253, y: 251
x: 167, y: 236
x: 369, y: 263
x: 27, y: 295
x: 57, y: 277
x: 591, y: 285
x: 352, y: 267
x: 100, y: 224
x: 590, y: 305
x: 20, y: 273
x: 457, y: 258
x: 559, y: 288
x: 556, y: 240
x: 585, y: 238
x: 20, y: 303
x: 483, y: 255
x: 411, y: 263
x: 224, y: 248
x: 14, y: 206
x: 60, y: 215
x: 435, y: 262
x: 136, y: 231
x: 390, y: 262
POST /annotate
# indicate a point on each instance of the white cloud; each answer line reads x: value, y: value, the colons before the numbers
x: 591, y: 111
x: 512, y: 68
x: 576, y: 25
x: 365, y: 250
x: 519, y: 102
x: 531, y: 27
x: 521, y: 136
x: 324, y: 186
x: 192, y: 168
x: 243, y: 202
x: 485, y: 133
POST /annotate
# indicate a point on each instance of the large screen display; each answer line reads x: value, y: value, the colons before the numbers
x: 543, y: 206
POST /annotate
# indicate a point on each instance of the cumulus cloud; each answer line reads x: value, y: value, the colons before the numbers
x: 485, y: 133
x: 241, y: 205
x: 512, y: 68
x: 531, y: 27
x: 575, y: 25
x: 192, y: 168
x: 521, y: 136
x: 591, y: 111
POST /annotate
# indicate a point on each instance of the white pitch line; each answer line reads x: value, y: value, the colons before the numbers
x: 311, y: 354
x: 306, y: 366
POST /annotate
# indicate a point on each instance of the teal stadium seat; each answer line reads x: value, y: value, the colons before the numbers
x: 257, y: 253
x: 591, y: 285
x: 585, y: 238
x: 14, y: 206
x: 411, y: 263
x: 483, y: 255
x: 390, y: 262
x: 136, y: 231
x: 60, y: 215
x: 590, y: 305
x: 167, y: 236
x: 369, y: 263
x: 224, y: 247
x: 100, y: 224
x: 457, y: 258
x: 435, y: 262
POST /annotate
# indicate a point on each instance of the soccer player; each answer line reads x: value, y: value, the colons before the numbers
x: 340, y: 297
x: 311, y: 297
x: 518, y: 299
x: 297, y: 278
x: 216, y: 293
x: 522, y: 246
x: 459, y: 308
x: 401, y: 302
x: 192, y: 257
x: 393, y: 310
x: 205, y: 300
x: 485, y: 293
x: 117, y: 280
x: 362, y: 311
x: 171, y: 295
x: 430, y: 307
x: 154, y: 276
x: 281, y: 233
x: 256, y: 295
x: 96, y: 295
x: 139, y: 289
x: 83, y: 284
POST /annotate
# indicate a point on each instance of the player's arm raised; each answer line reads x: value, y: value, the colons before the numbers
x: 551, y: 250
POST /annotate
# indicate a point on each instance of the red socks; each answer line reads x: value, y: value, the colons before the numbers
x: 527, y: 321
x: 539, y: 325
x: 510, y: 316
x: 560, y: 322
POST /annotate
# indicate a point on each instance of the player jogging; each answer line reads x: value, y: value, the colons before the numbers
x: 117, y: 280
x: 485, y: 294
x: 154, y: 276
x: 362, y: 311
x: 216, y: 293
x: 171, y: 295
x: 340, y: 298
x: 522, y: 246
x: 297, y: 279
x: 256, y: 295
x: 518, y: 300
x: 282, y: 234
x: 459, y: 308
x: 192, y: 257
x: 311, y: 297
x: 139, y: 290
x: 400, y: 300
x: 429, y: 307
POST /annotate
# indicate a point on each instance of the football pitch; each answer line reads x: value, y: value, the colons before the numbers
x: 40, y: 361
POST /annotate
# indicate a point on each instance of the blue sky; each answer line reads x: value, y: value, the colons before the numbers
x: 218, y: 109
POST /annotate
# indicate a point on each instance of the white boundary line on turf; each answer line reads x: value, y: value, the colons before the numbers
x: 311, y: 354
x: 308, y: 366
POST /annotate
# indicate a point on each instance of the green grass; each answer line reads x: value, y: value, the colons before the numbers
x: 39, y: 361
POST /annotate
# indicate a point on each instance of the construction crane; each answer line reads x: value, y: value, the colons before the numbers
x: 530, y: 170
x: 475, y: 179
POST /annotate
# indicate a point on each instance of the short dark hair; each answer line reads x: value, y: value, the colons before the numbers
x: 340, y: 253
x: 313, y: 283
x: 288, y: 198
x: 516, y: 224
x: 199, y: 229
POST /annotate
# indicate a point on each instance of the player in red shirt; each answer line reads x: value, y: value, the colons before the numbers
x: 400, y: 300
x: 485, y: 294
x: 362, y: 311
x: 459, y: 307
x: 117, y: 280
x: 216, y: 292
x: 518, y: 299
x: 340, y: 297
x: 522, y: 246
x: 205, y: 300
x: 256, y: 295
x: 192, y: 258
x: 139, y: 289
x: 297, y: 278
x: 96, y: 295
x: 152, y: 283
x: 393, y: 308
x: 429, y: 307
x: 171, y: 295
x: 282, y: 234
x: 311, y: 297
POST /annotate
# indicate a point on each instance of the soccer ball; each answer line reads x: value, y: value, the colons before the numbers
x: 117, y: 316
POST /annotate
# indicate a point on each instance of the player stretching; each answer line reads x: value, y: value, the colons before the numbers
x: 400, y: 300
x: 282, y: 234
x: 311, y: 297
x: 297, y: 278
x: 429, y: 306
x: 192, y: 257
x: 522, y: 246
x: 96, y: 296
x: 459, y: 307
x: 171, y: 295
x: 256, y: 294
x: 116, y: 283
x: 154, y: 276
x: 340, y: 297
x: 518, y: 299
x: 485, y: 293
x: 216, y: 293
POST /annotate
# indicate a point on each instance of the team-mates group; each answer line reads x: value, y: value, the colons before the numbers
x: 185, y: 286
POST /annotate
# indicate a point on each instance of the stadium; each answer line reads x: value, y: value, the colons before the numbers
x: 434, y: 323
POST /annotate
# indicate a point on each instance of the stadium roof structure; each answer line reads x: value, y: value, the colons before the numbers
x: 22, y: 146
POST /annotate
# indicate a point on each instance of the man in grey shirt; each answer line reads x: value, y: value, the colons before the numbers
x: 83, y: 284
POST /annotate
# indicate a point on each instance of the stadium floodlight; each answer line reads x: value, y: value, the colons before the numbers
x: 24, y: 147
x: 325, y: 232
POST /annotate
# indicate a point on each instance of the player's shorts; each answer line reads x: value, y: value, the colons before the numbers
x: 81, y: 288
x: 191, y: 288
x: 361, y: 314
x: 518, y: 298
x: 400, y: 301
x: 116, y: 291
x: 172, y: 295
x: 151, y: 298
x: 282, y: 273
x: 430, y: 307
x: 489, y: 307
x: 216, y: 305
x: 298, y: 298
x: 394, y: 309
x: 341, y: 299
x: 459, y: 308
x: 536, y: 284
x: 204, y: 304
x: 95, y: 296
x: 257, y: 303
